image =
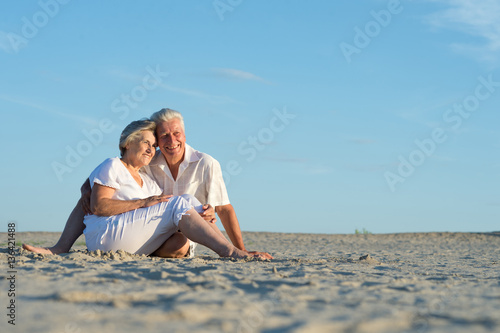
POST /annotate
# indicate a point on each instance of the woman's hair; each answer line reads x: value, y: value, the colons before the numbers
x: 167, y: 115
x: 133, y: 132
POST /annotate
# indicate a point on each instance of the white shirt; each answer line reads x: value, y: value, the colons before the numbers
x: 199, y: 175
x: 113, y: 173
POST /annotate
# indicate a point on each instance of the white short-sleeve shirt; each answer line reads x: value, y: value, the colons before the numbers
x: 113, y: 173
x: 199, y: 175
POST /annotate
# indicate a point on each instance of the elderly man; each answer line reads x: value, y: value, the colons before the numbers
x: 178, y: 169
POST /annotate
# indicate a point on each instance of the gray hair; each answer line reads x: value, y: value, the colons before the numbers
x: 133, y: 131
x: 167, y: 115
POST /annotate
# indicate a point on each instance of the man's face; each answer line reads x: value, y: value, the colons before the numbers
x: 171, y: 139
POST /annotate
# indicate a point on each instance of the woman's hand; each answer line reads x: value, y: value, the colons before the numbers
x: 155, y: 199
x: 102, y: 204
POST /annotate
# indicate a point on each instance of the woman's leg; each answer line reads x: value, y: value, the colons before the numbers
x: 199, y: 208
x: 142, y: 231
x: 194, y: 227
x: 177, y: 246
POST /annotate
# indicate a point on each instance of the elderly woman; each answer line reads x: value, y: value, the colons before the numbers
x: 131, y: 214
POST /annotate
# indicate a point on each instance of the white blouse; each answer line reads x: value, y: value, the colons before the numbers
x: 113, y: 173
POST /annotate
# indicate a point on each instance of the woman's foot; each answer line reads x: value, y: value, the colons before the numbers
x: 239, y: 254
x: 41, y: 250
x: 263, y: 255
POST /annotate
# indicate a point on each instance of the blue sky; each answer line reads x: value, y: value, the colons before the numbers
x: 326, y: 116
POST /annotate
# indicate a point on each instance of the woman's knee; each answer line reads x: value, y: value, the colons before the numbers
x: 191, y: 199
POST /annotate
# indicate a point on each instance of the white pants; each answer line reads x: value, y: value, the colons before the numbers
x: 141, y: 231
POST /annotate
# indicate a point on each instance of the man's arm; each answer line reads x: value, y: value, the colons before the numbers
x: 72, y: 230
x: 86, y: 192
x: 230, y: 222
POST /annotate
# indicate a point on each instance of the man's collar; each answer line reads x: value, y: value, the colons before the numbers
x: 157, y: 159
x: 189, y: 157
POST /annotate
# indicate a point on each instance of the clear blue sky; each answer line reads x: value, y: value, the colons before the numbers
x: 326, y: 116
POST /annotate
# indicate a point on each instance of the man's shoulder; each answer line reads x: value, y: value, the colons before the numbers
x: 197, y: 156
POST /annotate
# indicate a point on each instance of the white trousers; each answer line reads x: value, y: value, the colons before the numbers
x: 141, y: 231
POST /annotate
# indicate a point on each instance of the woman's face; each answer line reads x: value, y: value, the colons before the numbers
x: 140, y: 151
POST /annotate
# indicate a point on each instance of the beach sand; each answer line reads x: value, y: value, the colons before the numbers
x: 412, y: 282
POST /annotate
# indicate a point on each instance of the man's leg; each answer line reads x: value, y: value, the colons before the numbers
x: 72, y: 230
x: 176, y: 246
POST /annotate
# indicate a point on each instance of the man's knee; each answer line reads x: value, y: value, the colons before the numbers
x: 177, y: 246
x: 181, y: 252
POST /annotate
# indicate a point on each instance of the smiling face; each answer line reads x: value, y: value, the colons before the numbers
x: 140, y: 151
x: 171, y: 140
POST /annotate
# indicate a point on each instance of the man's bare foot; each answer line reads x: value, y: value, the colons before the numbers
x: 42, y: 250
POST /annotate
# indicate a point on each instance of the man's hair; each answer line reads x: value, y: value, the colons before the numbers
x: 167, y: 115
x: 133, y: 131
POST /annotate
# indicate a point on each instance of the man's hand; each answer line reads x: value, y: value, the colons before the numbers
x: 208, y: 214
x: 86, y: 191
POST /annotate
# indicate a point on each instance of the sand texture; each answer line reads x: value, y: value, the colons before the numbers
x: 422, y: 282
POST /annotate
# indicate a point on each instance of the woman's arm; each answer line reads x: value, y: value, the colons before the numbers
x: 101, y: 203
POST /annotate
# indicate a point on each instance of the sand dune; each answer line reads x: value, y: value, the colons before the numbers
x: 422, y: 282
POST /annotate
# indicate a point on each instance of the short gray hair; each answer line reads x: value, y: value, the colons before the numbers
x: 132, y: 132
x: 167, y: 115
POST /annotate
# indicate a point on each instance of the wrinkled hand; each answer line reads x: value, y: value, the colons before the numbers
x: 155, y: 199
x: 86, y: 191
x: 262, y: 255
x: 208, y: 214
